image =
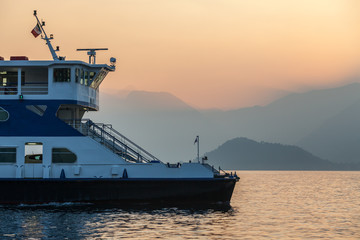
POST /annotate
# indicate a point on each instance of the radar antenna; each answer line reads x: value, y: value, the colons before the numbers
x: 92, y: 53
x: 47, y: 39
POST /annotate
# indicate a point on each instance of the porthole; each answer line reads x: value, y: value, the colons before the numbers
x: 4, y: 115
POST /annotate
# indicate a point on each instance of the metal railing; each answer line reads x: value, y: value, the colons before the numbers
x: 113, y: 140
x: 34, y: 89
x: 106, y: 135
x: 6, y: 90
x: 213, y: 169
x: 28, y: 89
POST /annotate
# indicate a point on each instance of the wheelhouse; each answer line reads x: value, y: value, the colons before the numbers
x: 67, y: 80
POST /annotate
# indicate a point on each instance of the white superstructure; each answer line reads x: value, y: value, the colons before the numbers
x: 43, y: 133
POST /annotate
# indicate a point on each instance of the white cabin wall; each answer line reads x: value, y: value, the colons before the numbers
x: 134, y: 170
x: 88, y: 151
x: 7, y: 170
x: 63, y: 90
x: 93, y: 160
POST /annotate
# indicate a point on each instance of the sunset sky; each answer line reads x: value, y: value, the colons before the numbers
x: 210, y: 53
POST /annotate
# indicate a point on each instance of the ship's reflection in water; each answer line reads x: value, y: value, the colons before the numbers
x: 78, y: 221
x: 270, y: 205
x: 32, y: 226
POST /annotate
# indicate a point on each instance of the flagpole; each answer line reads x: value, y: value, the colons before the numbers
x: 52, y: 51
x: 198, y: 149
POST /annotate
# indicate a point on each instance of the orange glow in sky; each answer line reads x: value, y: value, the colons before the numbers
x: 210, y: 53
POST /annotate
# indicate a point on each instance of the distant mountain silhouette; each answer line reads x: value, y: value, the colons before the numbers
x: 324, y: 122
x: 338, y: 138
x: 246, y: 154
x: 143, y: 101
x: 159, y: 101
x: 293, y: 117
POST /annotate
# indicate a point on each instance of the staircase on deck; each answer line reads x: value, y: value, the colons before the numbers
x: 106, y: 135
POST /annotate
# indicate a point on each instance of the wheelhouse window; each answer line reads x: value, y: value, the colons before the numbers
x: 99, y: 78
x: 82, y: 76
x: 77, y: 75
x: 9, y: 81
x: 91, y: 76
x: 86, y: 78
x: 62, y: 74
x: 7, y: 155
x: 63, y: 155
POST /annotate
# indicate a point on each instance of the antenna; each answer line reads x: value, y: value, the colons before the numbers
x: 92, y: 53
x: 47, y: 39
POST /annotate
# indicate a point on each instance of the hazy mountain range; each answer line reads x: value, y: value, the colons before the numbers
x: 324, y: 122
x: 246, y: 154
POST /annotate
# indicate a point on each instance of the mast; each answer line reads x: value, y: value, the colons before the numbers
x: 47, y: 39
x: 197, y: 140
x: 198, y: 149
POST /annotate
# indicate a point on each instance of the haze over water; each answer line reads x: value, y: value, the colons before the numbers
x: 265, y: 205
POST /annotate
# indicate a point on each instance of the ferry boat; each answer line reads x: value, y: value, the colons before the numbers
x: 50, y: 153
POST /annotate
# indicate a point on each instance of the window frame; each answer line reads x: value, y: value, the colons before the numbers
x: 65, y: 75
x: 8, y: 147
x: 68, y: 152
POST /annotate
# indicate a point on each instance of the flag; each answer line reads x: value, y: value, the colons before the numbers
x: 36, y: 31
x: 196, y: 139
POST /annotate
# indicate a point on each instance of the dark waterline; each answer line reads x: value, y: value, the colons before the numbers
x: 265, y: 205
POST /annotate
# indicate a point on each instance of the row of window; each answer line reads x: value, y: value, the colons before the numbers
x: 9, y: 79
x: 59, y: 155
x: 82, y: 76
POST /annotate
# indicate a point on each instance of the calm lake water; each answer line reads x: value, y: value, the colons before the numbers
x: 265, y: 205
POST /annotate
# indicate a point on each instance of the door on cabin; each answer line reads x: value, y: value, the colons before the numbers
x: 33, y: 167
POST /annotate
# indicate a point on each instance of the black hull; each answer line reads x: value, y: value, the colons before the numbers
x: 117, y: 191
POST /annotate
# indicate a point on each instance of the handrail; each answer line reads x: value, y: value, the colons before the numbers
x: 122, y: 143
x: 34, y: 89
x: 8, y: 90
x: 221, y: 170
x: 215, y: 171
x: 8, y: 87
x: 112, y: 139
x: 128, y: 140
x: 33, y: 83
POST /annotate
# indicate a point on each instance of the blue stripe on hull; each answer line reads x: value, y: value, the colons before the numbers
x: 23, y: 122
